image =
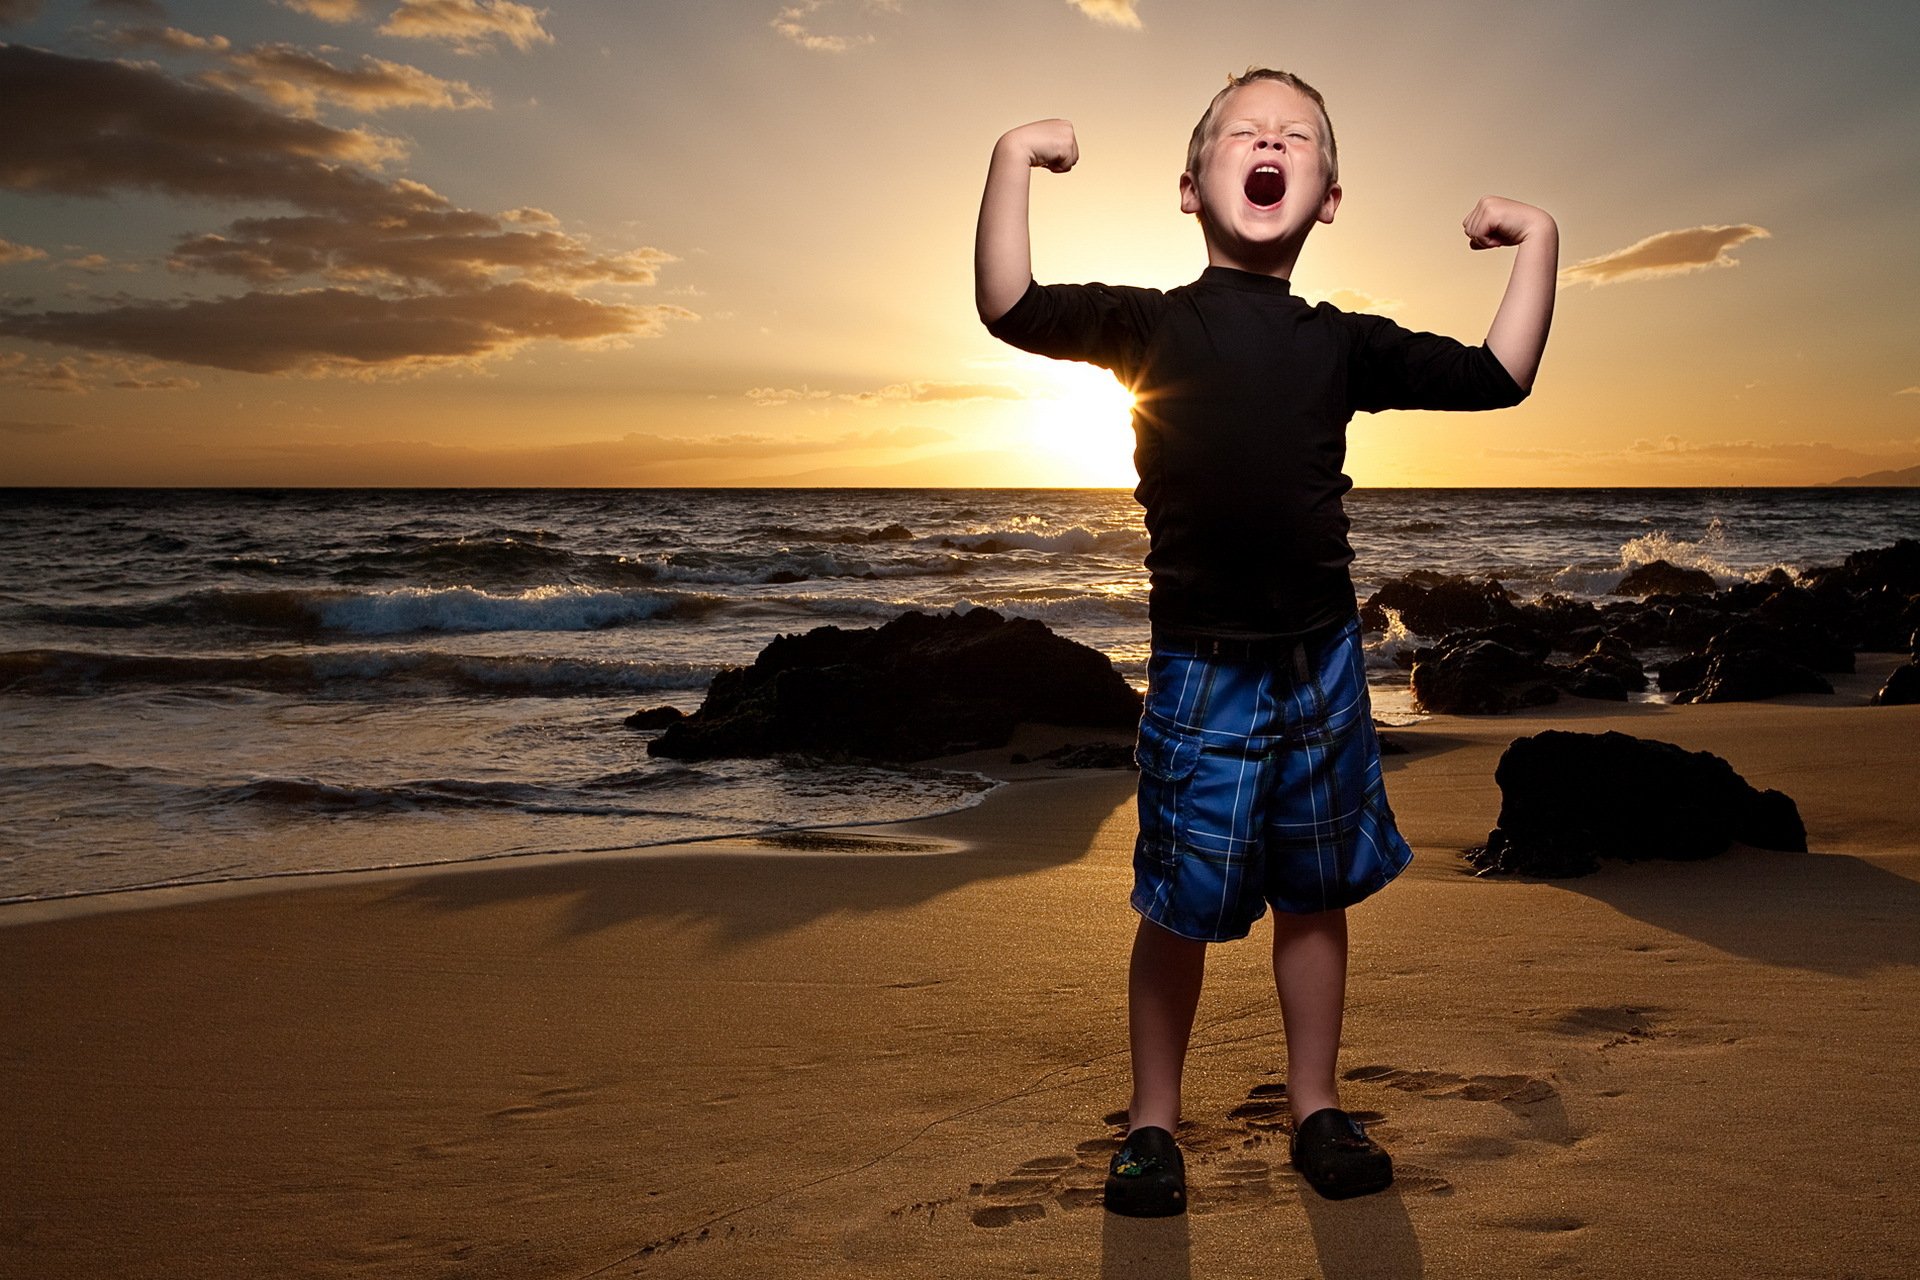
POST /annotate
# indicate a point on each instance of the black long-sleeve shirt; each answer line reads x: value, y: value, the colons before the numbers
x: 1242, y: 395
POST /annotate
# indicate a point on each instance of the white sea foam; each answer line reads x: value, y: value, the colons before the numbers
x: 468, y: 609
x: 1708, y: 554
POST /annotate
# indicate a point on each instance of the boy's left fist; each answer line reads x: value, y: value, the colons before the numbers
x: 1497, y: 222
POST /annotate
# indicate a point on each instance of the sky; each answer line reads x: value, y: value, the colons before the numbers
x: 634, y: 243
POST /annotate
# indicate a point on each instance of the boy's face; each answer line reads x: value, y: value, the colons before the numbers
x: 1263, y: 179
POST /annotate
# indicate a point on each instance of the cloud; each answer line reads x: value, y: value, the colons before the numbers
x: 474, y: 285
x: 12, y: 11
x: 791, y: 22
x: 321, y: 331
x: 471, y: 26
x: 165, y: 40
x: 101, y: 126
x: 1355, y: 300
x: 1119, y: 13
x: 1904, y: 391
x: 86, y: 373
x: 300, y: 78
x: 448, y: 248
x: 11, y: 252
x: 334, y: 11
x: 896, y: 393
x: 297, y: 78
x: 1664, y: 254
x: 137, y: 8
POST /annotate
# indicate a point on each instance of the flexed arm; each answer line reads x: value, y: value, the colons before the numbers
x: 1002, y: 257
x: 1518, y: 334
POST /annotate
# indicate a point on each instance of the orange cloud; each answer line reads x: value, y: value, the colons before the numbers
x: 334, y: 11
x: 11, y: 252
x: 471, y: 26
x: 791, y: 22
x: 81, y: 375
x: 1119, y: 13
x: 294, y: 77
x: 322, y: 331
x: 1666, y: 253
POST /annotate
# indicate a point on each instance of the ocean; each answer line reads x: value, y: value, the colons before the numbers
x: 211, y: 685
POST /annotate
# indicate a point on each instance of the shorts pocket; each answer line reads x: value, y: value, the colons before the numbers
x: 1167, y: 760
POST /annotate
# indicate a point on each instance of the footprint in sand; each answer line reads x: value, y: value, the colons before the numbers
x: 1622, y: 1024
x: 1534, y: 1100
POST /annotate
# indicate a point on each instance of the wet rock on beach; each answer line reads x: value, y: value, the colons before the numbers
x: 922, y: 685
x: 1567, y: 800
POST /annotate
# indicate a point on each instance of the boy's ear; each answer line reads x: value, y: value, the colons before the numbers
x: 1189, y: 194
x: 1332, y: 202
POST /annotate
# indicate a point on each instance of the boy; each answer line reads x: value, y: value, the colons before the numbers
x: 1260, y: 775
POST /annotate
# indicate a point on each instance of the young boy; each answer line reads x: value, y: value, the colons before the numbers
x: 1259, y: 771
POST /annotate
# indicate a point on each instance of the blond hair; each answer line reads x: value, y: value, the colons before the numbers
x: 1203, y: 131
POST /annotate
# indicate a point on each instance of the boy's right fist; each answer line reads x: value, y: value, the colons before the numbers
x: 1044, y: 143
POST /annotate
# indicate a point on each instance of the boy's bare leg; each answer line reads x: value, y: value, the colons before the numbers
x: 1163, y: 989
x: 1310, y: 973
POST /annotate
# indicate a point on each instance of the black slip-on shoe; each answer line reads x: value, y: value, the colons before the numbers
x: 1148, y: 1177
x: 1337, y: 1158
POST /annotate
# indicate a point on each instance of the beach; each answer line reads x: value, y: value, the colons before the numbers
x: 899, y: 1050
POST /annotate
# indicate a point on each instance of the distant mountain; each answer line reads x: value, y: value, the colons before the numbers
x: 1905, y: 475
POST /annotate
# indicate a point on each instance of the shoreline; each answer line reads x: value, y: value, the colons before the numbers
x: 1850, y: 690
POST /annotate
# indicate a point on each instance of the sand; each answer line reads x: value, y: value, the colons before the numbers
x: 898, y: 1051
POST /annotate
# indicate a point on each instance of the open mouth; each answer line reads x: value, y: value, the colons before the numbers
x: 1265, y: 186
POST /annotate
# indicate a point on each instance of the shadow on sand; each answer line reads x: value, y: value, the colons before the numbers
x: 1370, y: 1237
x: 1765, y: 919
x: 744, y: 890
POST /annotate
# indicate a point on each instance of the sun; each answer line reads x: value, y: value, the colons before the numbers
x: 1084, y: 416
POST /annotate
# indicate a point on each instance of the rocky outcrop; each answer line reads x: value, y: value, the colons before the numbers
x: 1480, y: 677
x: 1658, y: 577
x: 1902, y: 688
x: 922, y: 685
x: 1432, y: 604
x: 1567, y: 800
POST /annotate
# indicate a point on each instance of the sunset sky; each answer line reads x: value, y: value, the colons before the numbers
x: 601, y: 242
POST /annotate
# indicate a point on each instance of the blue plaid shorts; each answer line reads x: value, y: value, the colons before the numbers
x: 1259, y: 783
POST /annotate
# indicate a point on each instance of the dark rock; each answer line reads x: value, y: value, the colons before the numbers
x: 1479, y: 677
x: 1569, y: 799
x: 1742, y: 596
x: 1791, y: 605
x: 1088, y: 755
x: 1658, y: 577
x: 1683, y: 673
x: 1902, y: 688
x: 1562, y: 618
x: 1432, y: 604
x: 1597, y: 684
x: 1805, y: 643
x: 892, y: 533
x: 654, y: 718
x: 1896, y: 567
x: 923, y: 685
x: 1750, y: 675
x: 1612, y: 658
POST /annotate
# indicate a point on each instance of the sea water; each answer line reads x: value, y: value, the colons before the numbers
x: 212, y: 685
